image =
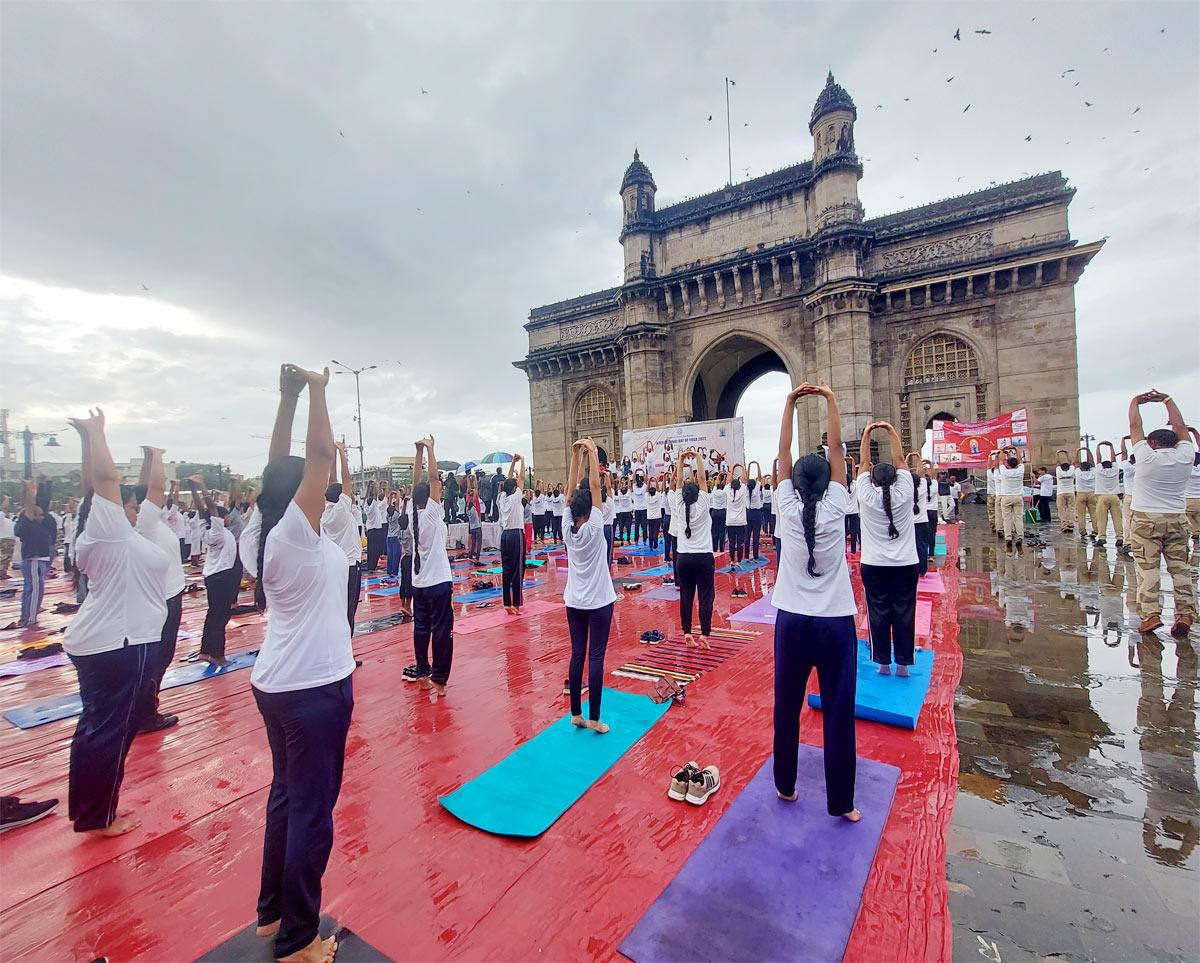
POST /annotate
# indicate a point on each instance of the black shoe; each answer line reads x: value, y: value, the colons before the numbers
x: 159, y: 722
x: 412, y: 674
x: 14, y: 813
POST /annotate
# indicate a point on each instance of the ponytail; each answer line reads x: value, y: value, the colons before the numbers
x: 884, y: 475
x: 917, y: 480
x: 280, y: 481
x: 691, y: 492
x: 810, y: 479
x: 420, y: 498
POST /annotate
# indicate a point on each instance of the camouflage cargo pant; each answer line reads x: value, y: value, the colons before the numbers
x: 1193, y: 515
x: 991, y: 510
x: 1153, y: 537
x: 6, y: 554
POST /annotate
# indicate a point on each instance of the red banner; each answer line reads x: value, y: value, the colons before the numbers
x: 963, y: 444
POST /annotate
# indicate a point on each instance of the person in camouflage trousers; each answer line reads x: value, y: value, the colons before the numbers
x: 1157, y: 521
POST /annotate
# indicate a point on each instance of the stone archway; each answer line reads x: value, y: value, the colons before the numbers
x: 725, y: 370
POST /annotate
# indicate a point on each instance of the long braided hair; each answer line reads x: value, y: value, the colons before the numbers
x: 810, y: 478
x: 691, y: 492
x: 884, y: 475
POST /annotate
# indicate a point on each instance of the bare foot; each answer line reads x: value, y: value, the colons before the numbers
x: 318, y: 951
x: 597, y: 726
x: 438, y: 687
x: 853, y: 816
x: 704, y: 642
x: 688, y: 640
x: 579, y: 721
x: 270, y: 929
x: 885, y: 670
x: 792, y: 798
x: 902, y: 671
x: 426, y: 682
x: 118, y: 827
x: 217, y: 660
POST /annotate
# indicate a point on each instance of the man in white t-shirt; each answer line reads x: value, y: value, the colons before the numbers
x: 1010, y: 485
x: 1064, y: 473
x: 992, y: 514
x: 1158, y: 520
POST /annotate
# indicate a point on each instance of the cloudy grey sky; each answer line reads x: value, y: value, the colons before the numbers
x: 195, y: 192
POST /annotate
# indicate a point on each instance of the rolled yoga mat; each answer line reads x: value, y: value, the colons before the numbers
x: 773, y: 880
x: 64, y: 707
x: 524, y: 793
x: 890, y: 699
x: 245, y: 947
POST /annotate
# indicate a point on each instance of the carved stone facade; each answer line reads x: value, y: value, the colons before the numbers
x: 962, y: 308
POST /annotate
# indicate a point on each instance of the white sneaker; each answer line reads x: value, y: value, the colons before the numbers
x: 704, y: 783
x: 682, y: 781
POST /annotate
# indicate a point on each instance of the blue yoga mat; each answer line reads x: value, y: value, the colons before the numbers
x: 524, y: 793
x: 772, y: 880
x: 659, y: 570
x: 889, y: 699
x: 395, y: 589
x: 64, y: 707
x: 747, y: 566
x: 493, y: 593
x: 643, y: 551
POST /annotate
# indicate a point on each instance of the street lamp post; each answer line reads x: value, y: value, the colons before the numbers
x: 362, y: 469
x: 27, y: 437
x: 1086, y: 439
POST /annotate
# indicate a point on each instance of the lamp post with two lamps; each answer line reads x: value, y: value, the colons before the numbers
x: 358, y: 398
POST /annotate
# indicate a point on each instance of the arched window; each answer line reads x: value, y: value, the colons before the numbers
x: 594, y: 407
x: 940, y: 357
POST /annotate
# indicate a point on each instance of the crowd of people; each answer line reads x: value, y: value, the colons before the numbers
x: 299, y: 542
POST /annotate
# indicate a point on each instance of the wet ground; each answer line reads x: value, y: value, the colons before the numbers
x: 1077, y: 821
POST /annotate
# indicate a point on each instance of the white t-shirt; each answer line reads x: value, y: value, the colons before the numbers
x: 852, y: 508
x: 1162, y: 478
x: 307, y: 642
x: 955, y: 490
x: 623, y: 502
x: 151, y: 524
x: 718, y: 497
x: 376, y: 513
x: 431, y: 547
x: 1045, y: 484
x: 339, y: 521
x: 248, y: 542
x: 589, y: 582
x: 877, y: 547
x: 607, y: 510
x: 539, y: 504
x: 176, y: 522
x: 701, y: 521
x: 1193, y: 486
x: 1128, y: 471
x: 756, y: 496
x: 639, y: 497
x: 991, y: 481
x: 735, y: 507
x: 1011, y: 481
x: 558, y: 504
x: 1085, y: 481
x: 1108, y: 480
x: 1066, y: 480
x: 829, y: 593
x: 654, y: 505
x: 7, y: 526
x: 127, y: 576
x: 220, y: 547
x: 927, y: 496
x: 766, y: 495
x: 512, y: 512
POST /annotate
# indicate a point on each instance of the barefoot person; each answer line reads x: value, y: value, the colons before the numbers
x: 694, y: 564
x: 339, y: 522
x: 432, y: 608
x: 302, y: 679
x: 113, y: 638
x: 589, y: 595
x: 815, y: 624
x: 512, y: 538
x: 1158, y: 519
x: 889, y: 553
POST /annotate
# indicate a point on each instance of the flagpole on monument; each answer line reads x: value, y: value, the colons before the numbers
x: 728, y: 129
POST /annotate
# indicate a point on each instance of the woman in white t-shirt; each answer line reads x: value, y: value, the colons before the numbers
x: 623, y: 503
x: 1108, y: 495
x: 754, y: 510
x: 920, y: 500
x: 432, y: 583
x: 814, y: 627
x: 890, y: 563
x: 302, y: 678
x: 694, y: 566
x: 736, y: 516
x: 640, y: 497
x: 768, y: 511
x: 719, y: 501
x: 654, y: 513
x: 608, y: 511
x: 1064, y: 477
x: 114, y: 639
x: 558, y: 508
x: 853, y: 524
x: 589, y: 595
x: 222, y: 575
x: 512, y: 539
x: 539, y: 509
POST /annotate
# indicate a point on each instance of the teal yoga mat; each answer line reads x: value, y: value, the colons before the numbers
x: 524, y: 793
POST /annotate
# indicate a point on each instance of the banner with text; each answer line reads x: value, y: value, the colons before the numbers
x: 963, y: 444
x: 720, y: 443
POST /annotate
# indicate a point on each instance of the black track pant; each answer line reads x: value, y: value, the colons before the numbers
x: 654, y: 524
x: 737, y: 542
x: 694, y: 572
x: 433, y: 618
x: 512, y: 561
x: 754, y: 523
x: 353, y: 591
x: 589, y: 639
x: 891, y: 592
x: 222, y: 589
x: 376, y: 546
x: 158, y: 661
x: 639, y: 524
x: 921, y: 533
x: 718, y: 529
x: 853, y: 531
x: 934, y: 518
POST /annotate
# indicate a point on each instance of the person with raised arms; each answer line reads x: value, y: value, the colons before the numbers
x: 754, y: 510
x: 589, y: 595
x: 1064, y: 477
x: 339, y: 521
x: 990, y: 474
x: 639, y: 495
x: 1158, y: 519
x: 737, y: 507
x: 814, y: 627
x: 222, y: 574
x: 558, y: 508
x: 113, y: 639
x: 512, y: 537
x: 853, y: 522
x: 694, y: 564
x: 432, y: 581
x: 921, y: 485
x: 890, y: 562
x: 654, y: 512
x: 1108, y: 497
x: 1010, y: 487
x: 719, y: 500
x: 302, y: 679
x: 1085, y: 494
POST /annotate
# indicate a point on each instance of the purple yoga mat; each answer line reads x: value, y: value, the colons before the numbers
x: 33, y: 665
x: 773, y: 880
x: 760, y: 611
x: 666, y: 593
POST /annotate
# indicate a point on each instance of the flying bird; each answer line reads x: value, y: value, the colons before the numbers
x: 1069, y: 70
x: 1029, y: 137
x: 948, y: 79
x: 340, y: 134
x: 879, y: 106
x: 959, y: 179
x: 1138, y: 131
x: 1076, y: 84
x: 983, y: 31
x: 956, y: 35
x: 917, y: 159
x: 1087, y: 103
x: 965, y: 109
x: 1135, y: 110
x: 906, y: 100
x: 144, y: 288
x: 745, y: 125
x: 710, y: 116
x: 424, y: 91
x: 935, y: 49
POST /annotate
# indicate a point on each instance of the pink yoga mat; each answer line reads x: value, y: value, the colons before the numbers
x: 489, y: 620
x: 931, y: 584
x: 760, y: 611
x: 924, y: 618
x: 33, y: 665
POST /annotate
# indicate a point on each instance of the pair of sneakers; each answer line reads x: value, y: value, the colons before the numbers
x: 412, y: 674
x: 653, y: 637
x: 694, y: 784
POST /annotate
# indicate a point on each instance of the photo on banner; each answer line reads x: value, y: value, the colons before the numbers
x: 721, y: 443
x: 968, y: 444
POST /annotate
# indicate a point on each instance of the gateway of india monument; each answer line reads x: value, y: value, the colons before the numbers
x: 961, y: 309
